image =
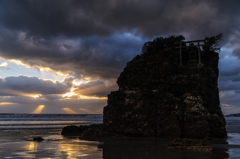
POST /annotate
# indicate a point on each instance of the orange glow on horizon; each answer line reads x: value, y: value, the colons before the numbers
x: 69, y: 111
x: 38, y: 110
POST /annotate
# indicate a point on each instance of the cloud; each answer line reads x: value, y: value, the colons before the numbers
x: 4, y: 64
x: 101, y: 18
x: 23, y: 85
x: 95, y: 39
x: 97, y: 88
x: 236, y: 52
x: 88, y: 38
x: 52, y: 97
x: 93, y: 56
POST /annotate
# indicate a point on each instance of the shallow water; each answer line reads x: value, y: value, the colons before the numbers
x: 15, y: 143
x: 63, y: 148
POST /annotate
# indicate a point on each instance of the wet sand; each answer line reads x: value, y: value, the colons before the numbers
x: 17, y: 144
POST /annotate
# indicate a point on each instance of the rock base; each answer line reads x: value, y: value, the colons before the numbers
x: 95, y: 130
x: 186, y: 144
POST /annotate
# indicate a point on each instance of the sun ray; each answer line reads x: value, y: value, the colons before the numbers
x: 87, y: 111
x: 69, y: 111
x: 38, y: 110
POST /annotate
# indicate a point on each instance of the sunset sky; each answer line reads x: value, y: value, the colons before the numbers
x: 64, y: 56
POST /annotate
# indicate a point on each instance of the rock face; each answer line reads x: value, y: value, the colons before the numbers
x: 186, y: 144
x: 159, y: 98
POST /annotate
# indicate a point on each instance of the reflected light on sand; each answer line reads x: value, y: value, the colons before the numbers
x: 30, y: 147
x: 69, y: 111
x: 79, y: 148
x: 38, y: 110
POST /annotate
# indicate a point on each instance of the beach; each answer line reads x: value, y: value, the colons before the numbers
x: 17, y: 143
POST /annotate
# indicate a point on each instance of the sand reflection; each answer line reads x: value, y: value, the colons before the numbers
x: 76, y: 148
x: 141, y: 148
x: 31, y: 148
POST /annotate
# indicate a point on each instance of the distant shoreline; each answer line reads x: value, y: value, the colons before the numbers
x: 230, y: 115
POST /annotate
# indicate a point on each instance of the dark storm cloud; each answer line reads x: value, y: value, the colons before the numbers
x: 94, y: 56
x: 229, y: 85
x: 96, y: 38
x: 97, y: 88
x: 53, y: 18
x: 87, y: 37
x: 15, y: 86
x: 102, y: 18
x: 236, y: 52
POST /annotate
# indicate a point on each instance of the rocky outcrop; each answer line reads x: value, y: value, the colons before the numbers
x: 159, y: 98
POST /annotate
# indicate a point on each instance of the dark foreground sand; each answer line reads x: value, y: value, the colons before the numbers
x: 17, y: 144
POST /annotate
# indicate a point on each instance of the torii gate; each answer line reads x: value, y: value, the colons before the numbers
x: 198, y: 45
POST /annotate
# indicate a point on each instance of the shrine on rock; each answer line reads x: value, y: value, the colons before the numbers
x: 192, y: 50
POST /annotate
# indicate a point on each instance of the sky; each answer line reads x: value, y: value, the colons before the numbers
x: 64, y: 56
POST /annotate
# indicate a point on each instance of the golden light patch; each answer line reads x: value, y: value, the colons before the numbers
x: 69, y: 94
x: 61, y: 74
x: 76, y: 82
x: 38, y: 110
x: 36, y: 95
x: 69, y: 111
x: 18, y: 62
x: 31, y: 147
x: 92, y: 97
x: 45, y: 69
x: 6, y: 103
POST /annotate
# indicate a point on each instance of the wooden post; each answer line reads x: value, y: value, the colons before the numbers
x: 180, y: 53
x: 199, y: 56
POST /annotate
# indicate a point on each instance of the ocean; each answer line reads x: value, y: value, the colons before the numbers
x: 44, y: 121
x: 17, y: 131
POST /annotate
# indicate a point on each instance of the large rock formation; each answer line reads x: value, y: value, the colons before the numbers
x: 159, y: 98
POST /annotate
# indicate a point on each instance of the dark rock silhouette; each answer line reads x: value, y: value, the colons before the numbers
x: 38, y: 139
x: 159, y: 98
